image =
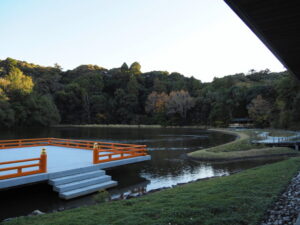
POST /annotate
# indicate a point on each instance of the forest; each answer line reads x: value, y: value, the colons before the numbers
x: 33, y: 95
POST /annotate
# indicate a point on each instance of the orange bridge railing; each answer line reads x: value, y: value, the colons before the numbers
x: 105, y: 152
x: 20, y: 143
x: 102, y: 152
x: 17, y: 170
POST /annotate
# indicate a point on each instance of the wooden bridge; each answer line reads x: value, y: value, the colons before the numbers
x: 73, y: 167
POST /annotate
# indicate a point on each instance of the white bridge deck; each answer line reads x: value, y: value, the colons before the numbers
x: 58, y: 158
x: 61, y: 162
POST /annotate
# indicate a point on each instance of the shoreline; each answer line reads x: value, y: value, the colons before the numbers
x: 228, y: 160
x: 128, y: 126
x: 209, y: 154
x: 238, y: 135
x: 230, y: 151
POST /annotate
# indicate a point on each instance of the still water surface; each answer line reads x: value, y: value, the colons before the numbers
x: 169, y: 165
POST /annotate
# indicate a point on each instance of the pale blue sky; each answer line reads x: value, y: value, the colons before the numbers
x: 200, y: 38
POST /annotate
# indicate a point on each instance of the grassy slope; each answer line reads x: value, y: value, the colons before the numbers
x: 238, y: 199
x: 280, y: 133
x: 261, y: 152
x: 238, y: 149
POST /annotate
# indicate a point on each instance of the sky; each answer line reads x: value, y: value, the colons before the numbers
x: 200, y: 38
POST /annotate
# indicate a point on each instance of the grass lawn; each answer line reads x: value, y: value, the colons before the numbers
x: 280, y: 133
x: 241, y: 148
x: 238, y: 199
x: 237, y: 155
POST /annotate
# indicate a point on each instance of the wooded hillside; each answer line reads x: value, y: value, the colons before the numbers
x: 32, y: 95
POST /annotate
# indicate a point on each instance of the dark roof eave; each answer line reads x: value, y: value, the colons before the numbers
x: 255, y: 29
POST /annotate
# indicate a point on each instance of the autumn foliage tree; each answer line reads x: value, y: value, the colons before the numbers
x: 179, y: 102
x: 156, y: 102
x: 15, y: 82
x: 259, y: 110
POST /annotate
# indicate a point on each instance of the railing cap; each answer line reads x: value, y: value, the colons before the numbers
x: 43, y: 151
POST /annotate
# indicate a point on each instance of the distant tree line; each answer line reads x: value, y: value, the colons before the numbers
x: 32, y: 95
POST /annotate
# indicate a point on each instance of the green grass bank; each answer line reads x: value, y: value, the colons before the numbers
x: 239, y: 149
x: 239, y: 199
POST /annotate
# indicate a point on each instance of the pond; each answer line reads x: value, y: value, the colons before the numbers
x: 169, y: 165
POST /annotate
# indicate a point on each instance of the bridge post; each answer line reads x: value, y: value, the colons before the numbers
x: 296, y: 147
x: 43, y: 161
x: 95, y: 153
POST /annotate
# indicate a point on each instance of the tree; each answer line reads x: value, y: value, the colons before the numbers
x: 42, y: 111
x: 237, y: 102
x: 179, y: 102
x: 15, y: 83
x: 99, y: 108
x: 201, y: 110
x: 7, y: 114
x: 9, y: 64
x: 133, y: 86
x: 120, y: 106
x: 159, y: 86
x: 296, y: 108
x: 193, y: 86
x: 57, y: 66
x: 124, y: 67
x: 91, y: 82
x: 259, y: 110
x: 93, y: 94
x: 70, y: 103
x: 220, y: 114
x: 48, y: 83
x: 135, y: 68
x: 156, y: 102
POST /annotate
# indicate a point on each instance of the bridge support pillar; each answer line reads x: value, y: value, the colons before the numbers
x: 297, y: 147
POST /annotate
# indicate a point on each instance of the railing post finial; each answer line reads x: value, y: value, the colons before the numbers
x: 43, y: 151
x: 95, y: 145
